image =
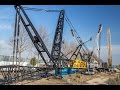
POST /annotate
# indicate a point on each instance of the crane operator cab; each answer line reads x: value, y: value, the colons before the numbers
x: 79, y: 64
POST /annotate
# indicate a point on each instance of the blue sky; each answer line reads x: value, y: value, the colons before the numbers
x: 85, y: 18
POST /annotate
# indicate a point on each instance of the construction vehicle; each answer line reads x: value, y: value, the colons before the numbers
x: 86, y: 61
x: 84, y: 53
x: 79, y: 58
x: 91, y: 54
x: 26, y: 71
x: 56, y: 53
x: 95, y: 43
x: 107, y: 66
x: 56, y: 57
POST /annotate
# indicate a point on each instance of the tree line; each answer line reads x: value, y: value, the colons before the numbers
x: 26, y: 45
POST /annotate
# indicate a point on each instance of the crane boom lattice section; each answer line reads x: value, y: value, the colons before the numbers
x: 56, y: 48
x: 33, y: 34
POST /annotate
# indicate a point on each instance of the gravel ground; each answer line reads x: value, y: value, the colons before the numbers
x: 74, y: 79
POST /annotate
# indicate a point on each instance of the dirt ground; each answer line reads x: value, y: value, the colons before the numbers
x: 73, y: 79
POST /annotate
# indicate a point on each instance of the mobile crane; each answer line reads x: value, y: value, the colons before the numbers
x: 81, y: 50
x: 57, y: 58
x: 94, y: 46
x: 85, y: 49
x: 81, y: 61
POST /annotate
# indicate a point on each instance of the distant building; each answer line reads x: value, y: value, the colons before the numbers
x: 8, y: 60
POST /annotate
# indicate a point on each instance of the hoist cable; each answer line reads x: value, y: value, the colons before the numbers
x: 73, y: 34
x: 18, y: 28
x: 80, y: 41
x: 37, y: 9
x: 14, y: 37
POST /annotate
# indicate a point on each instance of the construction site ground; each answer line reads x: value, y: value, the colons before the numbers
x: 72, y: 79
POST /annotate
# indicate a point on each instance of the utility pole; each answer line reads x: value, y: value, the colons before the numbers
x: 109, y: 48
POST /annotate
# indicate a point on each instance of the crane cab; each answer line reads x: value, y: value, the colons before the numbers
x: 78, y: 64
